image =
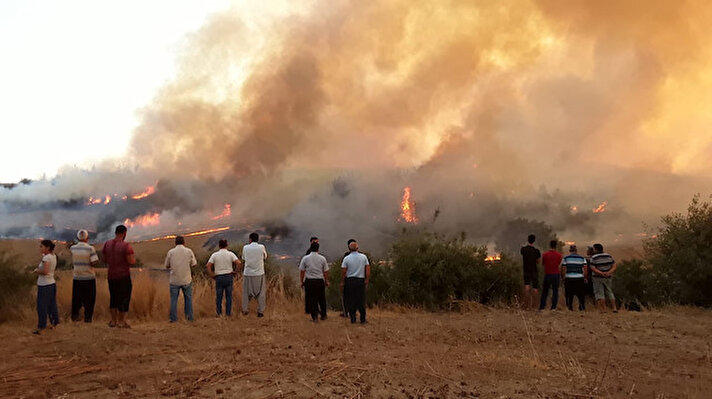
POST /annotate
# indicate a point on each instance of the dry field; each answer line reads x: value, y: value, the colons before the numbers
x: 481, y: 353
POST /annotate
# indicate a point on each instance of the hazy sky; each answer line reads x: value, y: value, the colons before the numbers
x: 73, y: 74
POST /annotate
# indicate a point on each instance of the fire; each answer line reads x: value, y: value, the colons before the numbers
x: 601, y: 208
x: 149, y: 219
x: 408, y: 208
x: 574, y: 209
x: 195, y: 233
x: 493, y: 258
x: 107, y: 199
x: 93, y: 201
x: 149, y: 190
x: 225, y: 213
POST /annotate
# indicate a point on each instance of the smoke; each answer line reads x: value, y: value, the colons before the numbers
x: 317, y: 118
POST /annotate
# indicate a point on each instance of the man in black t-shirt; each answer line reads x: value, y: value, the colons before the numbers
x: 531, y: 258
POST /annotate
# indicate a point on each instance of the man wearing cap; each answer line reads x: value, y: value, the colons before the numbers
x: 573, y: 271
x: 84, y: 258
x: 355, y: 272
x: 179, y: 261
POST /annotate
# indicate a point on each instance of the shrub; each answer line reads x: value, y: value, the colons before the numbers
x: 15, y: 286
x: 636, y: 283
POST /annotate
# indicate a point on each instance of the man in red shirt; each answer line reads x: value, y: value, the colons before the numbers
x: 552, y: 263
x: 119, y: 256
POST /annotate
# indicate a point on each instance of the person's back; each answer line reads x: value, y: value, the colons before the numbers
x: 115, y: 254
x: 551, y: 260
x: 602, y: 261
x: 530, y: 255
x: 355, y: 264
x: 180, y: 259
x: 83, y: 255
x: 223, y: 261
x: 254, y: 255
x: 574, y: 265
x: 314, y: 265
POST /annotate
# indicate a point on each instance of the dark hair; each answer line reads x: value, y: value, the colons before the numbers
x: 47, y: 243
x: 254, y: 237
x: 314, y: 239
x: 598, y: 247
x: 180, y: 240
x: 531, y: 238
x: 553, y: 244
x: 222, y: 243
x: 120, y: 229
x: 314, y: 247
x: 350, y: 241
x: 589, y: 251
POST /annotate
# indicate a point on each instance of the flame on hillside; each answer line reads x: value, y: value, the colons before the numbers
x: 408, y: 208
x: 149, y: 190
x: 493, y: 258
x: 225, y: 213
x: 149, y: 219
x: 193, y: 234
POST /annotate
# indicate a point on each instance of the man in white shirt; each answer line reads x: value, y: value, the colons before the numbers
x: 226, y: 264
x: 314, y: 275
x: 179, y: 260
x: 254, y: 255
x: 84, y: 258
x: 355, y: 272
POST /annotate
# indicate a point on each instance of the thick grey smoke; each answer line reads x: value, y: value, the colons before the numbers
x: 489, y: 111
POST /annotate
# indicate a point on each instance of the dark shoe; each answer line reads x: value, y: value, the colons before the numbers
x: 260, y: 315
x: 323, y: 317
x: 363, y: 322
x: 342, y: 315
x: 353, y: 320
x: 37, y: 332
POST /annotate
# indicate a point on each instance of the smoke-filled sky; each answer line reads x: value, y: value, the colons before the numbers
x: 320, y: 115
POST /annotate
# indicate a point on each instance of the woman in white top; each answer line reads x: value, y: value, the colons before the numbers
x: 46, y: 288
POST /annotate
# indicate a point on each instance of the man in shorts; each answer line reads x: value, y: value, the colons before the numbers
x: 119, y: 256
x: 603, y: 266
x: 530, y: 259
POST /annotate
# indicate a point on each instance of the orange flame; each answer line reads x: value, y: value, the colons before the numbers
x: 107, y: 199
x: 493, y: 258
x: 225, y: 213
x: 149, y: 219
x: 149, y: 190
x: 93, y: 201
x: 195, y: 233
x: 408, y: 208
x: 601, y: 208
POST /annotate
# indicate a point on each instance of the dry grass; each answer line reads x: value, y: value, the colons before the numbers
x: 150, y: 298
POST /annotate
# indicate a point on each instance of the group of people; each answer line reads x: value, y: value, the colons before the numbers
x: 582, y: 276
x: 223, y: 266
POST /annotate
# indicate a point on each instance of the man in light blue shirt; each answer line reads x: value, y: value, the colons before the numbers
x: 355, y: 272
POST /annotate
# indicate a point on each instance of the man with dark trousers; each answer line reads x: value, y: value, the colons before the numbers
x: 311, y: 241
x: 314, y: 276
x: 119, y: 255
x: 355, y: 273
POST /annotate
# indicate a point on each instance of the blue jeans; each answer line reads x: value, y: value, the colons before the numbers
x: 187, y: 298
x: 223, y: 285
x: 47, y: 305
x: 550, y: 281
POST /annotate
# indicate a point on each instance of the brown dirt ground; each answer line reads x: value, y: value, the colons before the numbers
x: 480, y: 353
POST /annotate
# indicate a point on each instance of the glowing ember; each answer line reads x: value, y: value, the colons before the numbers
x: 195, y: 233
x: 601, y: 208
x: 493, y: 258
x: 149, y: 219
x: 574, y: 209
x: 107, y: 199
x: 93, y: 201
x: 408, y: 208
x: 149, y: 190
x: 225, y: 213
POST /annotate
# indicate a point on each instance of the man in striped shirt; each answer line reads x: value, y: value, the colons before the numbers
x: 603, y: 266
x: 574, y: 271
x: 84, y: 258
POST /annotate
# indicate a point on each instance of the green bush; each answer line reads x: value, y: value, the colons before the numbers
x: 677, y: 267
x: 15, y: 286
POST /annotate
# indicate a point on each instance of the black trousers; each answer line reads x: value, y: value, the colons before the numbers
x: 83, y: 295
x: 315, y: 292
x: 356, y: 298
x: 575, y: 287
